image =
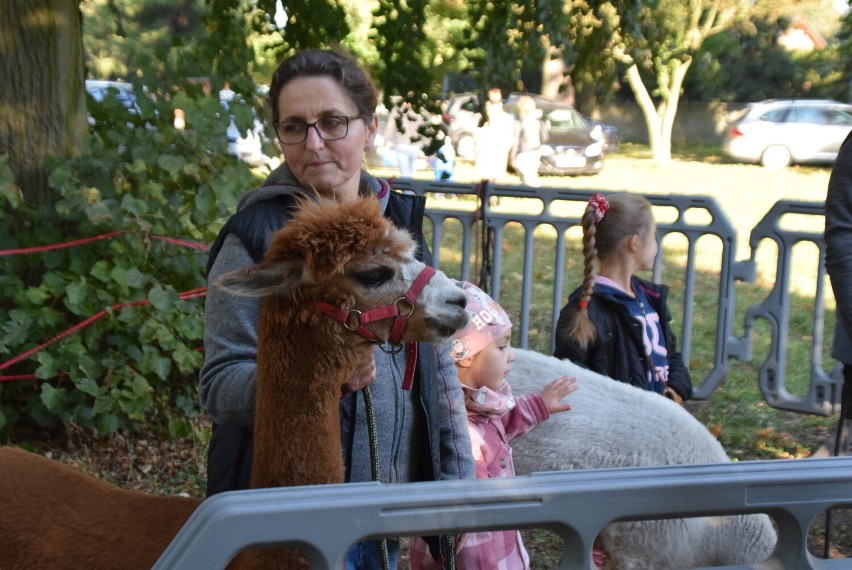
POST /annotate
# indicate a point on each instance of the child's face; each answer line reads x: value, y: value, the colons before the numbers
x: 648, y: 248
x: 492, y: 364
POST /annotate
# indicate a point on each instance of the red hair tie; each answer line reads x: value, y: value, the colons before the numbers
x: 584, y: 304
x: 600, y: 205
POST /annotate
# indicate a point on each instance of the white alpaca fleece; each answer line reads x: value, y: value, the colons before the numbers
x: 613, y: 424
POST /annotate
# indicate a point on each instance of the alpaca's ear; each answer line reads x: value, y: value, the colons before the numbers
x: 261, y: 280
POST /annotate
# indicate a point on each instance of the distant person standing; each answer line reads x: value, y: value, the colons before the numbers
x: 526, y: 148
x: 494, y: 139
x: 445, y: 162
x: 402, y: 132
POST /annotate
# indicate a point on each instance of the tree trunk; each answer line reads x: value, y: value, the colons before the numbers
x: 554, y: 77
x: 43, y: 98
x: 660, y: 145
x: 659, y: 119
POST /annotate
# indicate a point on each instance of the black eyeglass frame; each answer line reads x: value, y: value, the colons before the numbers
x: 314, y: 125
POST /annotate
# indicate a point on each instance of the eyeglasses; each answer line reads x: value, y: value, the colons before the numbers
x: 328, y: 129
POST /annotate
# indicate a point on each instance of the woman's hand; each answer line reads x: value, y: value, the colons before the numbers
x: 365, y: 373
x: 557, y: 390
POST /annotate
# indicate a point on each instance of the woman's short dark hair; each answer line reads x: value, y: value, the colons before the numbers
x: 336, y: 64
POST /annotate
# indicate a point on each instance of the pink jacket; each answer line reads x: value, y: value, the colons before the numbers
x: 494, y: 419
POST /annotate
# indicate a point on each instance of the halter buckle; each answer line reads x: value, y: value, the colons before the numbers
x: 388, y: 348
x: 350, y: 315
x: 400, y: 308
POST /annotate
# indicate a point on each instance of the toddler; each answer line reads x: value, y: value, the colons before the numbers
x: 483, y: 357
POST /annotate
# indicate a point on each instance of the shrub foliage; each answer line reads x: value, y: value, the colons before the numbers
x: 141, y: 176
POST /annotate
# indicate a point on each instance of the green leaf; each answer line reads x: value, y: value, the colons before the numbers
x: 48, y: 366
x: 162, y: 299
x: 107, y: 423
x: 89, y: 386
x: 171, y: 163
x: 100, y: 271
x: 101, y: 405
x: 136, y: 278
x: 140, y: 385
x: 119, y: 275
x: 35, y: 295
x: 76, y: 295
x: 51, y: 397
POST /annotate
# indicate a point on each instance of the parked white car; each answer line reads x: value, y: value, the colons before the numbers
x: 779, y: 132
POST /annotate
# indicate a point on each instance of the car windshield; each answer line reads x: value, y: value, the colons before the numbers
x: 566, y: 119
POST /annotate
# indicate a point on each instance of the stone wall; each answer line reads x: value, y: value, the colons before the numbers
x: 695, y: 123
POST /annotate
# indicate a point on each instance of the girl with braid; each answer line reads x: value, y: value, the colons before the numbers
x: 615, y: 323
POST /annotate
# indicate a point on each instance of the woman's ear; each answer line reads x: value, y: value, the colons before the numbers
x: 465, y: 362
x: 372, y: 128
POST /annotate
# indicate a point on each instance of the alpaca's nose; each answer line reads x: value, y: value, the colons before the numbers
x: 460, y: 300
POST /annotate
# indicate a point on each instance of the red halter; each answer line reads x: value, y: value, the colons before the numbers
x: 355, y: 320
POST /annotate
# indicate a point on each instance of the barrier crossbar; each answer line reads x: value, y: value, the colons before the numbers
x: 324, y: 520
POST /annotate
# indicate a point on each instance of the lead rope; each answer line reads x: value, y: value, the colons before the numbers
x: 375, y: 471
x: 446, y: 541
x: 448, y: 552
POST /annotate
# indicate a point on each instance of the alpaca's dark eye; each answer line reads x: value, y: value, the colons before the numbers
x: 374, y: 277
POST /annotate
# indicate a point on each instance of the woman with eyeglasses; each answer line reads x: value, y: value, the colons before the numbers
x: 323, y: 107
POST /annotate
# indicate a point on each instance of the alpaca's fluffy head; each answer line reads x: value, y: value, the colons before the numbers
x: 352, y: 257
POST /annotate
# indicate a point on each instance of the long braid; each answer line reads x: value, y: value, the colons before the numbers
x: 607, y: 222
x: 581, y: 328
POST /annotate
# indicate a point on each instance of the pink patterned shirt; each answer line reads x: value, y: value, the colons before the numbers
x: 494, y: 418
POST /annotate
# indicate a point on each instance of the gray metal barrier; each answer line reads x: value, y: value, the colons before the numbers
x: 823, y: 396
x: 324, y: 520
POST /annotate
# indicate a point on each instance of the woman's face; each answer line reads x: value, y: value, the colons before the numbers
x: 333, y: 168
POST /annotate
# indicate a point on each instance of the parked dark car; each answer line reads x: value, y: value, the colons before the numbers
x: 611, y: 138
x: 575, y: 145
x: 779, y: 132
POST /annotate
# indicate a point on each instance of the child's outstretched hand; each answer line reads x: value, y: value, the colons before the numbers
x: 557, y: 390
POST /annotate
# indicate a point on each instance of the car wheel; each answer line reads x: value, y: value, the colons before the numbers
x: 776, y: 157
x: 466, y: 147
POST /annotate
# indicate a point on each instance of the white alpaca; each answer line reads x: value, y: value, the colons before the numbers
x: 613, y: 424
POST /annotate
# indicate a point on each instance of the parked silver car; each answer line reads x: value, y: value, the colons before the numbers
x: 779, y: 132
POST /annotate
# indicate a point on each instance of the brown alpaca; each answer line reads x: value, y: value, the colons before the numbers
x: 348, y: 256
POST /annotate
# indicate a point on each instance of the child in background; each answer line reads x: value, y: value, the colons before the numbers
x: 615, y: 323
x: 445, y: 162
x: 483, y: 358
